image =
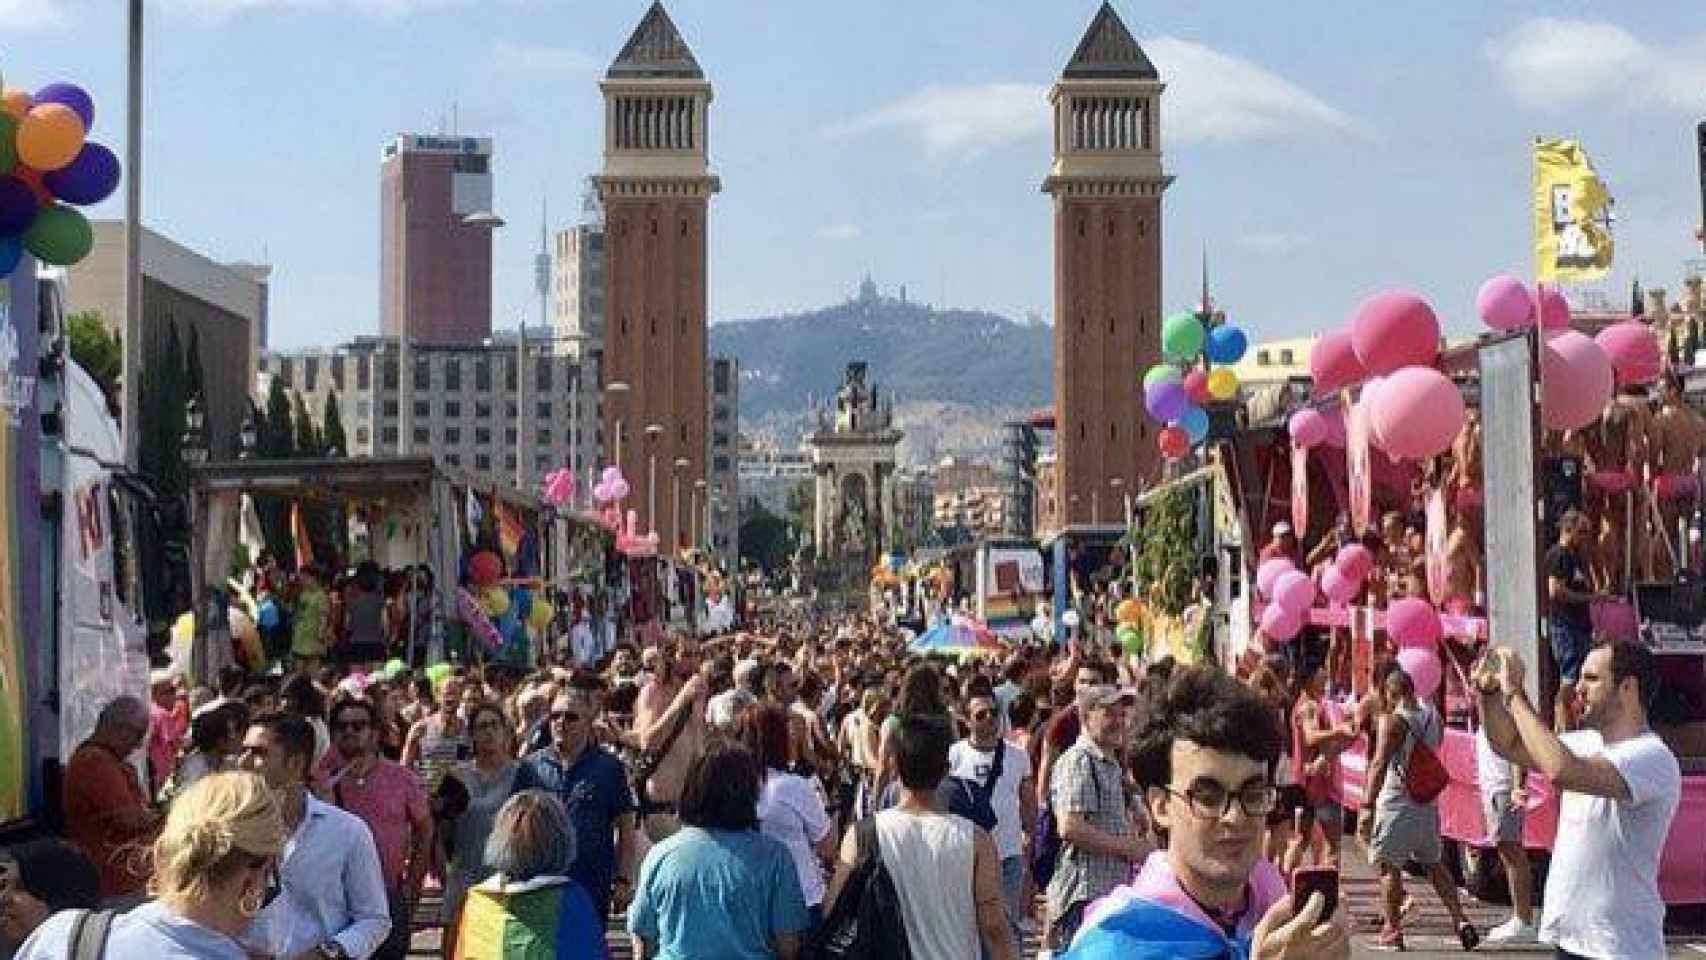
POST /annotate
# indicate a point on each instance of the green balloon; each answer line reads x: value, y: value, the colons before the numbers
x: 1130, y: 639
x: 8, y: 144
x: 1181, y: 336
x: 1160, y: 372
x: 60, y: 236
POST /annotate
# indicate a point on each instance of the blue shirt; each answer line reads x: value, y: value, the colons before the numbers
x: 716, y: 893
x: 150, y: 930
x: 594, y: 790
x: 331, y: 888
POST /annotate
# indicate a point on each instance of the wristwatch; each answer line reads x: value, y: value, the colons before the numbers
x: 333, y: 950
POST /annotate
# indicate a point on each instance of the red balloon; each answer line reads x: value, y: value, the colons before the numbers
x: 1333, y: 362
x: 1393, y: 330
x: 1196, y: 387
x: 485, y: 569
x: 1174, y: 442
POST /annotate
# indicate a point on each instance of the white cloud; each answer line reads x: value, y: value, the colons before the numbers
x: 839, y: 231
x: 1274, y: 242
x: 1211, y: 96
x: 542, y: 59
x: 1557, y: 62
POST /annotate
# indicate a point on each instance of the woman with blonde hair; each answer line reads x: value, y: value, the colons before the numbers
x: 214, y: 869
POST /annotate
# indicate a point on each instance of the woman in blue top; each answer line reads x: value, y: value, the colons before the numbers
x: 719, y: 887
x: 214, y: 868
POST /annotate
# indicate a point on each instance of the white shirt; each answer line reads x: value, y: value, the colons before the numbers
x: 790, y: 809
x: 584, y: 645
x: 1602, y: 891
x: 965, y: 760
x: 1495, y: 774
x: 330, y: 889
x: 931, y: 858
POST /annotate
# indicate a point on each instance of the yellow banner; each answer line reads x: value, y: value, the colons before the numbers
x: 1572, y: 215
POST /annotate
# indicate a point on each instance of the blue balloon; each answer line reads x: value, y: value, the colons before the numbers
x: 11, y: 251
x: 522, y: 600
x: 266, y: 615
x: 1195, y: 421
x: 1226, y: 344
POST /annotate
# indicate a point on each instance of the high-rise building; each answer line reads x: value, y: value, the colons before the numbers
x: 577, y: 280
x: 655, y: 189
x: 435, y: 238
x: 1106, y: 183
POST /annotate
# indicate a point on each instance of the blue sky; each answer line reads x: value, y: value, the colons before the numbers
x: 1321, y: 155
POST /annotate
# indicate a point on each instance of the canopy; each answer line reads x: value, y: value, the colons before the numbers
x: 960, y: 637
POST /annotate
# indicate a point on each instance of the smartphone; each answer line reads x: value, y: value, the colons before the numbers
x: 1308, y: 880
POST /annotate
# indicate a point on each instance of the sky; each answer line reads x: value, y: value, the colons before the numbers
x: 1320, y: 157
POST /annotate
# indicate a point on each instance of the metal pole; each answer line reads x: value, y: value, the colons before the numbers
x: 521, y: 404
x: 405, y: 365
x: 675, y: 512
x: 651, y: 487
x: 132, y: 334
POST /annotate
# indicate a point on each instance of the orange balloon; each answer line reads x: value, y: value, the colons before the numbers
x: 50, y: 136
x: 16, y: 102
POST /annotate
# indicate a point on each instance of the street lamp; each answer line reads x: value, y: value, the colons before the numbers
x: 653, y: 432
x: 698, y: 495
x: 249, y: 434
x: 192, y: 447
x: 681, y: 463
x: 617, y: 390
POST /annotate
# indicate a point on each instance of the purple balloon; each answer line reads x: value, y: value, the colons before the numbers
x: 1165, y: 399
x: 17, y: 206
x: 89, y: 179
x: 72, y: 96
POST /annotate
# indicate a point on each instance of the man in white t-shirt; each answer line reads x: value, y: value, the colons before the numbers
x: 1619, y: 785
x: 1013, y: 798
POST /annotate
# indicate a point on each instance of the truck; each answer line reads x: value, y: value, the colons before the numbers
x: 76, y: 531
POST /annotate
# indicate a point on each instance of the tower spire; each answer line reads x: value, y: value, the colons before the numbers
x: 1207, y: 304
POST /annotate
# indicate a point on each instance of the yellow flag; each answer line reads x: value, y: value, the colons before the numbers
x: 1572, y: 215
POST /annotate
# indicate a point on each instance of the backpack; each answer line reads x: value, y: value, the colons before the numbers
x: 865, y: 921
x: 1425, y: 777
x: 1045, y: 846
x: 89, y: 935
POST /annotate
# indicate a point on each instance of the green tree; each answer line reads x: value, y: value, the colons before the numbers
x: 332, y: 439
x: 98, y: 352
x: 161, y: 429
x: 1167, y: 550
x: 193, y: 379
x: 278, y: 430
x: 765, y: 538
x: 307, y: 437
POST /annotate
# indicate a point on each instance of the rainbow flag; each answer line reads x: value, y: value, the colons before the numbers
x: 510, y: 529
x: 546, y: 918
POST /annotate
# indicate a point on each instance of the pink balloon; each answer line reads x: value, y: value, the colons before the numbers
x: 1393, y: 330
x: 1269, y: 573
x: 1413, y: 622
x: 1576, y: 380
x: 1308, y: 428
x: 1355, y: 560
x: 1634, y: 351
x: 1333, y: 362
x: 1423, y: 668
x: 1196, y: 387
x: 1504, y: 303
x: 1552, y: 308
x: 1417, y: 413
x: 1334, y: 418
x: 1367, y: 400
x: 1294, y: 591
x: 1279, y: 623
x: 1338, y: 585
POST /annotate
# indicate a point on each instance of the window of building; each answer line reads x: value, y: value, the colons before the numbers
x: 720, y: 439
x: 388, y: 435
x: 509, y: 410
x: 422, y: 435
x: 544, y: 435
x: 363, y: 373
x: 423, y: 409
x: 389, y: 380
x: 544, y: 410
x: 390, y: 408
x: 287, y: 369
x: 720, y: 463
x: 721, y: 415
x: 482, y: 410
x: 541, y: 464
x: 509, y: 461
x: 542, y: 373
x: 454, y: 459
x: 363, y: 409
x: 720, y: 377
x: 338, y: 371
x: 1285, y: 357
x: 360, y: 434
x: 509, y: 373
x: 509, y: 435
x: 452, y: 434
x: 482, y: 435
x: 423, y: 374
x: 482, y: 374
x: 310, y: 373
x: 453, y: 374
x: 482, y: 462
x: 453, y: 408
x: 1262, y: 358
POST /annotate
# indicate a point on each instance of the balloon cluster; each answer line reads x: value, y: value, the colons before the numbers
x: 1196, y: 372
x: 1289, y: 592
x: 1578, y: 374
x: 612, y: 487
x: 48, y: 166
x: 558, y: 487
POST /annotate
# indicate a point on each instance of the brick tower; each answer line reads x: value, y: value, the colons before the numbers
x: 656, y: 187
x: 1106, y: 183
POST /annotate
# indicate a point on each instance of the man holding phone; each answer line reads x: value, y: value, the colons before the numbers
x: 1205, y: 762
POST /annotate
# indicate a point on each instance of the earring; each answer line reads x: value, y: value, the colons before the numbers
x: 250, y: 906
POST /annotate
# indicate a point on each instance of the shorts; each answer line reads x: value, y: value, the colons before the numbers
x: 1504, y: 819
x: 1291, y: 799
x: 1404, y: 832
x: 1570, y: 646
x: 1327, y: 812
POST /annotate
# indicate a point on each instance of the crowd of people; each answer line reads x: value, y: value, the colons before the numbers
x: 799, y: 791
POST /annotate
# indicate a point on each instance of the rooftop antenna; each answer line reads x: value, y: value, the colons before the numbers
x: 455, y: 120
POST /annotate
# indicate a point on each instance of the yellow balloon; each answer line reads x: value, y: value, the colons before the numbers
x: 495, y: 601
x: 1222, y: 383
x: 539, y: 617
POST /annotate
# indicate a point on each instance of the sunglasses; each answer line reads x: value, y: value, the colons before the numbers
x: 565, y: 716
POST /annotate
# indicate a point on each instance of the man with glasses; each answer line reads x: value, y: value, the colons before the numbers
x: 1098, y: 840
x: 106, y: 810
x: 391, y: 801
x: 1011, y: 795
x: 593, y: 787
x: 1205, y: 762
x: 332, y: 903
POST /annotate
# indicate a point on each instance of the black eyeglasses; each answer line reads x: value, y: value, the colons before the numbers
x: 1212, y: 801
x: 565, y: 716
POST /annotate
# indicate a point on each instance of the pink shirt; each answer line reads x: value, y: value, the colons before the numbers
x: 389, y: 799
x: 166, y: 730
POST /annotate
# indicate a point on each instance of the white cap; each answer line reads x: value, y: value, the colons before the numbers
x: 1282, y: 528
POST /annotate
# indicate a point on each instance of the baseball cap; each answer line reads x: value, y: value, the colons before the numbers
x: 1282, y: 528
x: 1104, y: 694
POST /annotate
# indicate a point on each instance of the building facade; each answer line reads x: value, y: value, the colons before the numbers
x: 224, y: 304
x: 853, y: 458
x: 464, y: 405
x: 1106, y: 184
x: 655, y: 190
x: 721, y: 521
x: 577, y: 281
x: 435, y: 238
x: 769, y: 474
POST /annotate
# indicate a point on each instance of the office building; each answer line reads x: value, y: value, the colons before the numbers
x: 435, y: 239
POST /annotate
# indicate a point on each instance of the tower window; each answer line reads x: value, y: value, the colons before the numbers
x: 654, y: 227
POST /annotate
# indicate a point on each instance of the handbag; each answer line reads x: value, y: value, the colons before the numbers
x: 89, y: 934
x: 647, y: 762
x: 1425, y: 777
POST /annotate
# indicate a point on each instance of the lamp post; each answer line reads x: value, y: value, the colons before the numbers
x: 249, y: 434
x: 681, y: 463
x: 653, y: 432
x: 698, y: 497
x: 1095, y: 506
x: 617, y: 389
x: 192, y: 451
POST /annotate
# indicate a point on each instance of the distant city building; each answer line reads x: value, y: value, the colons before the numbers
x: 225, y: 304
x: 1018, y: 477
x: 577, y: 279
x: 1048, y: 515
x: 769, y: 474
x: 853, y: 456
x: 724, y: 488
x: 464, y: 404
x: 969, y: 495
x: 1106, y: 183
x: 915, y: 504
x: 655, y: 190
x: 435, y: 238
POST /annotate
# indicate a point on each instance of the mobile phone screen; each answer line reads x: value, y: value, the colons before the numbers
x: 1308, y: 880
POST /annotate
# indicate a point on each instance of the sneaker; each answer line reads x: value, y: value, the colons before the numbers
x: 1513, y: 931
x: 1391, y: 938
x: 1467, y: 936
